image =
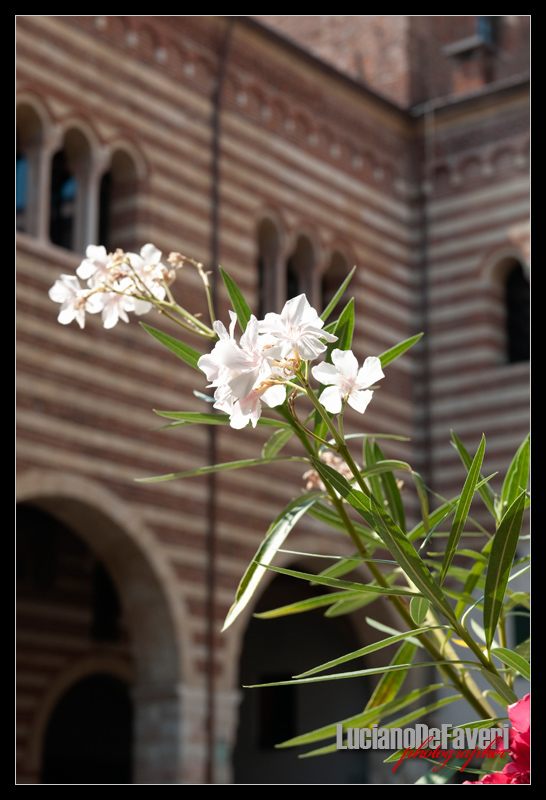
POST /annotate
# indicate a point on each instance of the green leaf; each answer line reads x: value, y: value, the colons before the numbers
x: 338, y: 676
x: 183, y: 351
x: 276, y: 441
x: 240, y: 306
x: 485, y: 490
x: 391, y: 492
x: 343, y: 328
x: 517, y: 475
x: 306, y: 605
x: 513, y: 660
x: 247, y: 462
x: 398, y: 544
x: 463, y: 507
x: 197, y: 417
x: 363, y: 651
x: 277, y: 533
x: 390, y: 684
x: 418, y: 609
x: 395, y: 352
x: 337, y: 583
x: 500, y: 686
x: 337, y: 297
x: 501, y: 557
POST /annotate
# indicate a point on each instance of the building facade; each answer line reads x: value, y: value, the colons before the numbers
x: 250, y: 143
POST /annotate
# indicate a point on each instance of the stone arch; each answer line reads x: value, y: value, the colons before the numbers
x: 119, y: 538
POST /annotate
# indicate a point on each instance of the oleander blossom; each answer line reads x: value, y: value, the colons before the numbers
x: 345, y: 382
x: 74, y: 300
x: 519, y: 769
x: 117, y: 283
x: 296, y: 331
x: 242, y: 374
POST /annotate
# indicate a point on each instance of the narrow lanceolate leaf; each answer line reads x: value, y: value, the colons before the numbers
x: 485, y: 490
x: 353, y: 586
x: 409, y: 560
x: 517, y: 475
x: 183, y: 351
x: 391, y: 493
x: 193, y: 473
x: 395, y: 352
x: 363, y: 651
x: 463, y: 507
x: 514, y: 660
x: 306, y: 605
x: 339, y: 676
x: 391, y: 682
x: 240, y: 306
x: 275, y: 536
x: 343, y: 328
x: 276, y: 441
x: 500, y: 686
x: 197, y: 417
x: 398, y: 544
x: 337, y: 297
x: 501, y: 557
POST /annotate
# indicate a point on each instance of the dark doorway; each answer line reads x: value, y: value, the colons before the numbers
x: 274, y: 650
x: 89, y: 737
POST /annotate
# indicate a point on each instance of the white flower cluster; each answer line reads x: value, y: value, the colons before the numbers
x: 115, y: 284
x: 269, y: 353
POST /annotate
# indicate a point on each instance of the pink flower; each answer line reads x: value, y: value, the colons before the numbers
x: 517, y: 770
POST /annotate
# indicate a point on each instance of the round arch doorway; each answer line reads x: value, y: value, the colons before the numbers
x: 274, y: 650
x: 89, y: 736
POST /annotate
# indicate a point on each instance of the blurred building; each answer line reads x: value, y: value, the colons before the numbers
x: 286, y: 149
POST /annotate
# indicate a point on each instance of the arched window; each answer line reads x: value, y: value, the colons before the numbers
x: 29, y: 139
x: 268, y: 260
x: 333, y: 277
x: 300, y: 270
x: 118, y: 203
x: 517, y: 304
x: 70, y: 204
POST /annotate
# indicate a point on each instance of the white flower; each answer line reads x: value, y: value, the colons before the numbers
x: 151, y: 273
x: 75, y: 300
x: 115, y: 305
x: 297, y: 331
x: 345, y: 382
x: 242, y: 373
x: 95, y: 266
